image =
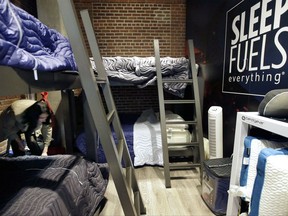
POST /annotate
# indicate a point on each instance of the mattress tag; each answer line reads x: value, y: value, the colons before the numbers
x: 245, y: 160
x: 35, y: 74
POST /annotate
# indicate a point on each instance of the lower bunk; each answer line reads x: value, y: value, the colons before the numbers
x: 143, y: 137
x: 54, y: 185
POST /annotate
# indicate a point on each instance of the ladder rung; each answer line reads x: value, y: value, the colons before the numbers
x: 179, y: 101
x: 129, y: 177
x: 120, y: 147
x: 110, y: 116
x: 178, y: 165
x: 177, y: 80
x: 180, y: 122
x: 180, y: 146
x: 101, y: 81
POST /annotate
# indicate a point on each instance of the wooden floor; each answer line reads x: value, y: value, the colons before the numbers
x: 183, y: 198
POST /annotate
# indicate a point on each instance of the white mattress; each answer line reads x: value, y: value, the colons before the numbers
x: 252, y: 148
x: 147, y: 141
x: 270, y: 194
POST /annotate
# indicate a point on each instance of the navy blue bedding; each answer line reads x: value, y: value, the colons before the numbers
x: 27, y: 43
x: 127, y: 123
x: 127, y: 127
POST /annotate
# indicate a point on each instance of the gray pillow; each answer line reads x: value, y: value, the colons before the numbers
x: 275, y: 104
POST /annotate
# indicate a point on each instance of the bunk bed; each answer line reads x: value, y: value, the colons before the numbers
x: 142, y: 131
x: 35, y: 58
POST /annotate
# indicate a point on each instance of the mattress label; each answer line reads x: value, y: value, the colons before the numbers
x: 245, y: 161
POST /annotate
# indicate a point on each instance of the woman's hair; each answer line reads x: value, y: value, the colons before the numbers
x: 32, y: 113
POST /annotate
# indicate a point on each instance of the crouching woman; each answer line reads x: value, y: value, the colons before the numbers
x: 24, y: 117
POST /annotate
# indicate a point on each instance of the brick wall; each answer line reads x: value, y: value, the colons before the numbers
x: 130, y: 99
x: 128, y: 28
x: 6, y: 101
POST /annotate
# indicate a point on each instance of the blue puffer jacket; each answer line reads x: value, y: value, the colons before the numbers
x: 27, y: 43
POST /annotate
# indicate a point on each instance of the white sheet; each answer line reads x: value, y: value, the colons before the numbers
x: 147, y: 141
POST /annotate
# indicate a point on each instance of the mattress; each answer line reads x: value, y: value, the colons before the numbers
x: 148, y: 140
x: 52, y: 185
x: 252, y: 148
x: 270, y: 194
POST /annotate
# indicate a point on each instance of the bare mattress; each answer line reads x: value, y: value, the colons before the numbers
x: 53, y: 185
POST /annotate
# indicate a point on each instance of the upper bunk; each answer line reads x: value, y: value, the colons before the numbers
x: 141, y: 71
x: 16, y: 81
x: 33, y: 57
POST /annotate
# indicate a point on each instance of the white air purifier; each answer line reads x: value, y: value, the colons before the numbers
x: 215, y: 132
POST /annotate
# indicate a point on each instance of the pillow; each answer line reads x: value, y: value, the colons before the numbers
x: 172, y: 117
x: 275, y: 104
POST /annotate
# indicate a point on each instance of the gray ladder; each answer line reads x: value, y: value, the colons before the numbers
x: 196, y: 146
x: 104, y: 118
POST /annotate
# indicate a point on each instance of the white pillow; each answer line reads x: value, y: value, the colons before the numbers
x: 275, y: 104
x: 172, y: 117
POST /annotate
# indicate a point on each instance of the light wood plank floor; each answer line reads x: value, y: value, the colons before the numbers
x: 183, y: 198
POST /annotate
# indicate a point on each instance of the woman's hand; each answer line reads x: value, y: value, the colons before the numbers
x: 45, y: 150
